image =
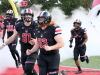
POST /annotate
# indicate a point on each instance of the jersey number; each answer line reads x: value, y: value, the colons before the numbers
x: 9, y: 27
x: 26, y: 37
x: 44, y: 41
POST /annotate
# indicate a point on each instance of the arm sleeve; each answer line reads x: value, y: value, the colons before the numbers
x: 57, y: 30
x: 71, y: 31
x: 85, y: 30
x: 17, y: 27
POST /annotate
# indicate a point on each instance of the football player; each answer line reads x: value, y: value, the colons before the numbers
x: 26, y: 32
x: 9, y: 25
x: 81, y: 38
x: 22, y: 17
x: 49, y: 41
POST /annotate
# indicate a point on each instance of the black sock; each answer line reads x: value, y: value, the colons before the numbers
x: 16, y: 52
x: 79, y: 68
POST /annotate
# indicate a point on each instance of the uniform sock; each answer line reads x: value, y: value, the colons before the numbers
x: 13, y: 55
x: 16, y: 52
x: 79, y: 68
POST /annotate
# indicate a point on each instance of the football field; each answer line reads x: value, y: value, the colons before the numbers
x: 93, y: 68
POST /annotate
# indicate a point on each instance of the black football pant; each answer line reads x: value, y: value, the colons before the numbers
x: 28, y: 61
x: 80, y: 51
x: 14, y: 52
x: 49, y: 64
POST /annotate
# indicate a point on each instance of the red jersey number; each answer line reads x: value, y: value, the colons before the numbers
x: 9, y: 27
x: 26, y: 37
x: 44, y: 41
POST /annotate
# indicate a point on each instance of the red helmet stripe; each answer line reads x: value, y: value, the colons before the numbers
x: 29, y: 10
x: 8, y: 11
x: 76, y: 20
x: 40, y: 12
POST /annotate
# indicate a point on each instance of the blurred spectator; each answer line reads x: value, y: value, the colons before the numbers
x: 1, y: 25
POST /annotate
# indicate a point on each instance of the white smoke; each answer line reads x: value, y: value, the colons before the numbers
x: 66, y: 24
x: 6, y: 59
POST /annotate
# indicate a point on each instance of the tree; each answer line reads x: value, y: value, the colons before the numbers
x: 5, y: 5
x: 86, y: 4
x: 49, y: 4
x: 46, y: 4
x: 69, y: 5
x: 30, y: 3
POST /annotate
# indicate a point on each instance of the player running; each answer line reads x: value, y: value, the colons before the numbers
x: 81, y: 38
x: 48, y: 34
x: 9, y: 25
x: 26, y: 31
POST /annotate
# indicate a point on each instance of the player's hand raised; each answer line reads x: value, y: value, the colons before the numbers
x: 28, y: 52
x: 32, y: 41
x: 47, y: 48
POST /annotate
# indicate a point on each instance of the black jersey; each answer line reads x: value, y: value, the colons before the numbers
x: 10, y: 25
x: 78, y: 35
x: 26, y: 32
x: 20, y: 20
x: 46, y: 37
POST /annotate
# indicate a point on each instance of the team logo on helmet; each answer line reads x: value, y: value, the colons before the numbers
x: 46, y: 15
x: 77, y: 21
x: 28, y: 11
x: 9, y: 14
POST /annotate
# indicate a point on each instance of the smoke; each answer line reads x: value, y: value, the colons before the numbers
x: 6, y: 59
x: 66, y: 24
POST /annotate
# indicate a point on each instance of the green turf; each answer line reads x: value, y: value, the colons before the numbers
x: 94, y: 63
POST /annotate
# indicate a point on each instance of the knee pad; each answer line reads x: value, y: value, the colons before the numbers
x: 82, y: 59
x: 53, y: 71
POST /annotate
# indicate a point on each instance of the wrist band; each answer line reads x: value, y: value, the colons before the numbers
x: 4, y: 44
x: 71, y: 40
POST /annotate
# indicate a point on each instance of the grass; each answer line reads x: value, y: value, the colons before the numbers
x: 94, y: 63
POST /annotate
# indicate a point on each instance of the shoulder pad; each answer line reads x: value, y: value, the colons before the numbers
x: 73, y: 29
